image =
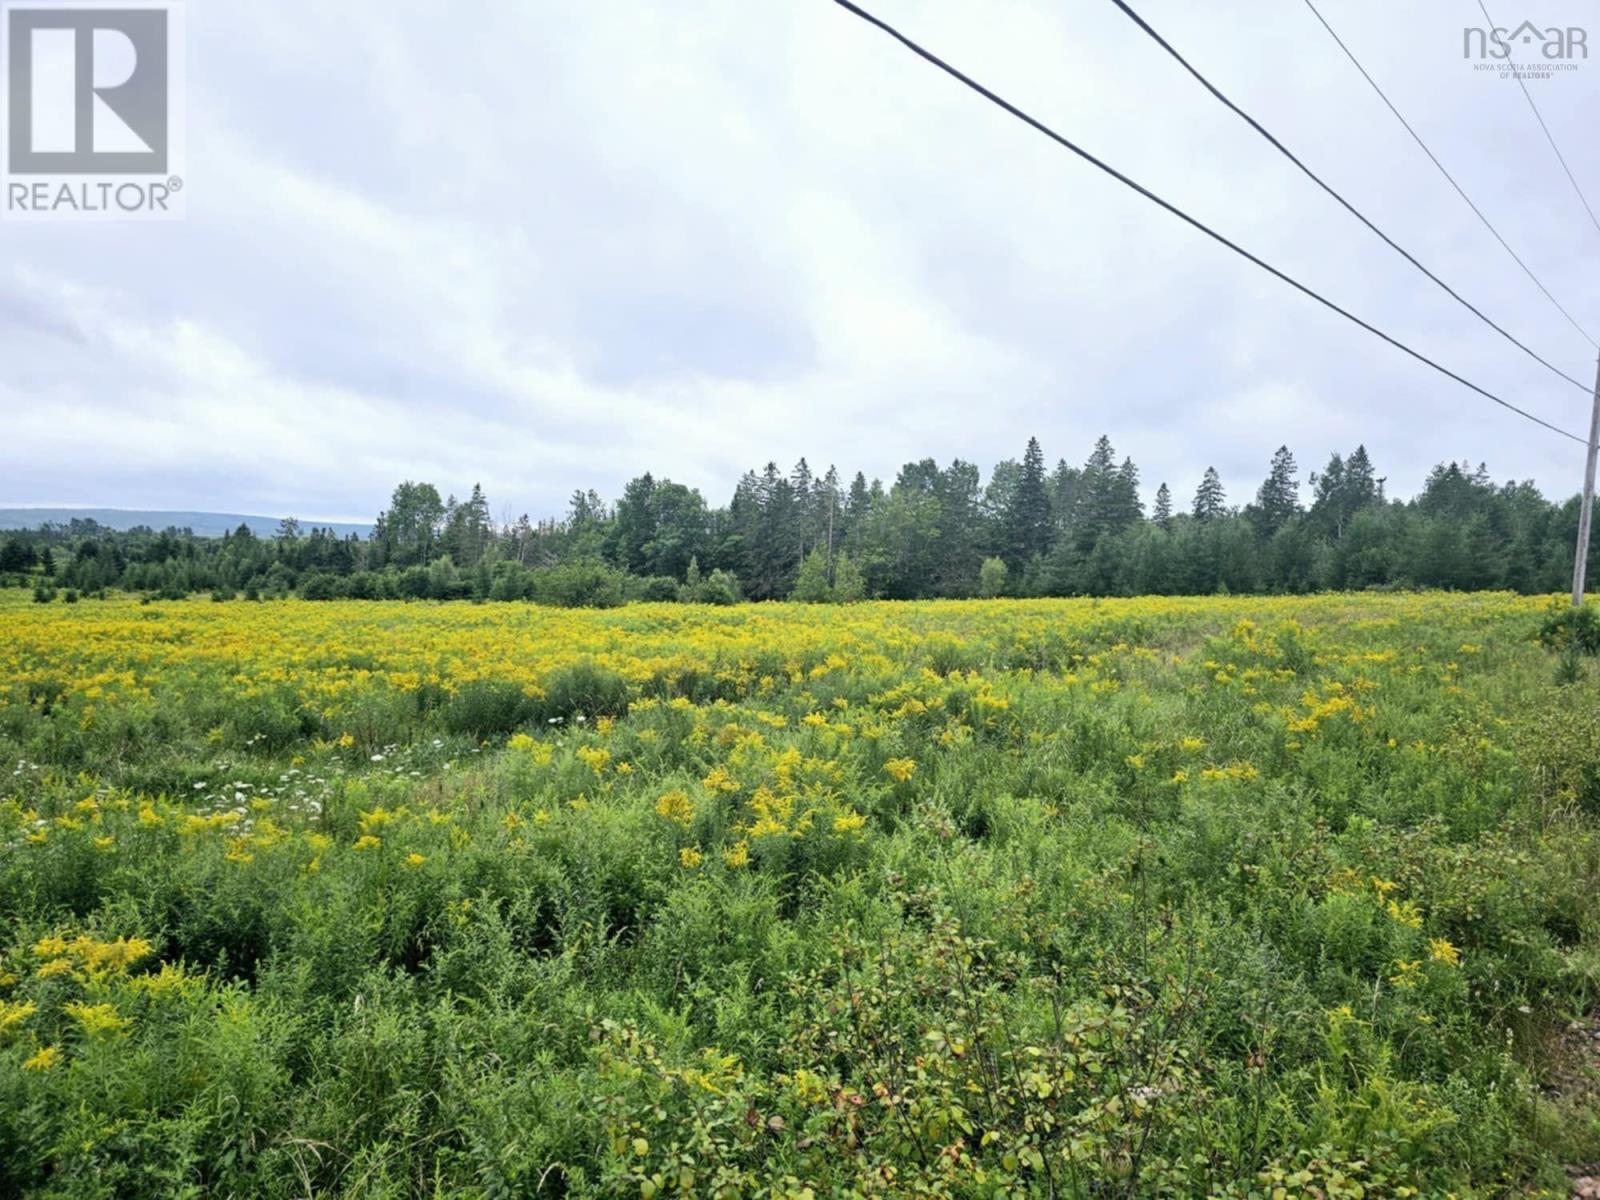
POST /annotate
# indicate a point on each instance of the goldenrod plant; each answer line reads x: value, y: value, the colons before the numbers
x: 1242, y: 897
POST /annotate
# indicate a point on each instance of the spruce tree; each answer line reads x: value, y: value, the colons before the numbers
x: 1361, y: 489
x: 1098, y: 496
x: 1064, y: 496
x: 1162, y: 515
x: 828, y: 515
x: 1028, y: 514
x: 1209, y: 498
x: 1279, y: 496
x: 857, y: 508
x: 804, y: 485
x: 1126, y: 509
x: 811, y: 584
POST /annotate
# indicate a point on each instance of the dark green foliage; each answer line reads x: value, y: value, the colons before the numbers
x: 1068, y: 531
x: 652, y: 588
x: 1210, y: 501
x: 1161, y: 513
x: 320, y: 587
x: 811, y: 585
x: 658, y: 528
x: 1278, y: 500
x: 584, y: 583
x: 584, y: 689
x: 485, y: 708
x: 407, y: 532
x: 1578, y: 628
x: 720, y: 587
x: 1027, y: 529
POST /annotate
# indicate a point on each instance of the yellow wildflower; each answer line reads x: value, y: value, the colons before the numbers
x: 98, y: 1020
x: 849, y: 822
x: 900, y: 769
x: 676, y: 806
x: 14, y: 1013
x: 1406, y: 913
x: 720, y: 781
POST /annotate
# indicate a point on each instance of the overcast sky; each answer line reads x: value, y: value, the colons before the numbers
x: 547, y: 246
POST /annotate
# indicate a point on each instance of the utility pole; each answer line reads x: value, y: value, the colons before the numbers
x: 1580, y: 562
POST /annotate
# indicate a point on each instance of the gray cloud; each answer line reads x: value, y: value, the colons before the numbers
x: 550, y: 246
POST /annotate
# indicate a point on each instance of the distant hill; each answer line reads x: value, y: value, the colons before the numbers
x: 204, y: 524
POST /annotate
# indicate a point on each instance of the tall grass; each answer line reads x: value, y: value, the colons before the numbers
x: 1132, y: 898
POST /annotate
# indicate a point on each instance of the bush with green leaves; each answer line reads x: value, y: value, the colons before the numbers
x: 583, y: 583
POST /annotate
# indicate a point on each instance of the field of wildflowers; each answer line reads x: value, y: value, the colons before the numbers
x: 1235, y: 897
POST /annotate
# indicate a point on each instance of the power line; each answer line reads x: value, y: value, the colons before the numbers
x: 929, y: 56
x: 1460, y: 191
x: 1538, y: 116
x: 1350, y: 208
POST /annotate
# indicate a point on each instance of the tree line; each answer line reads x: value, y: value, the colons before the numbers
x: 934, y: 531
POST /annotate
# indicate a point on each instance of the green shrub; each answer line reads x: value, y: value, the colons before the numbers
x: 1566, y: 626
x: 321, y: 586
x: 652, y: 588
x: 485, y: 708
x: 585, y: 688
x: 720, y: 587
x: 583, y: 583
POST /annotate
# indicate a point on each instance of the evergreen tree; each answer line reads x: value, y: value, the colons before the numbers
x: 1210, y: 502
x: 1327, y: 498
x: 828, y: 517
x: 1345, y: 487
x: 811, y: 584
x: 997, y: 494
x: 959, y: 539
x: 588, y: 522
x: 773, y: 536
x: 1108, y: 496
x: 468, y: 529
x: 859, y: 501
x: 803, y: 485
x: 1126, y: 509
x: 1361, y: 489
x: 1162, y: 514
x: 1278, y: 499
x: 1027, y: 515
x: 1064, y: 495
